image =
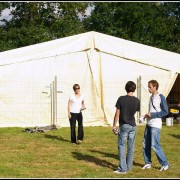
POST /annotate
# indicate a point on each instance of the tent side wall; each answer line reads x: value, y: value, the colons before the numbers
x: 99, y: 63
x: 23, y: 102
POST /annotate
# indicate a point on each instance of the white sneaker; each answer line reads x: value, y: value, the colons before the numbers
x: 119, y: 171
x: 79, y: 141
x: 165, y: 168
x: 146, y: 166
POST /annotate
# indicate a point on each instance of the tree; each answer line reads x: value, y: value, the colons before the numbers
x: 152, y: 23
x: 155, y: 24
x: 36, y: 22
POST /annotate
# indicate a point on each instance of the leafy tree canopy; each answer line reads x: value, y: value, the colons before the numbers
x: 36, y: 22
x: 152, y: 23
x: 155, y: 24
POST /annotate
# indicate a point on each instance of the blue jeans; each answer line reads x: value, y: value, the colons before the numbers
x: 152, y: 139
x: 126, y: 135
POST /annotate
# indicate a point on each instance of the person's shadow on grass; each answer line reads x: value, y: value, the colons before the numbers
x: 92, y: 159
x: 59, y: 138
x: 175, y: 135
x: 138, y: 164
x: 116, y: 157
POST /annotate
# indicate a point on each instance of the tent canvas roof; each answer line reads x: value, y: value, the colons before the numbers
x: 126, y: 49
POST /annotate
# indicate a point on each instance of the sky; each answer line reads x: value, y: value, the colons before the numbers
x: 6, y: 14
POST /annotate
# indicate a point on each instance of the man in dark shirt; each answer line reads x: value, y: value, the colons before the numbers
x: 126, y: 107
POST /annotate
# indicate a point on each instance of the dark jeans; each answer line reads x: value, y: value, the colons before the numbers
x: 72, y: 120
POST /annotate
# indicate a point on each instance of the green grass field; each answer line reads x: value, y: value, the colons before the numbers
x: 51, y: 155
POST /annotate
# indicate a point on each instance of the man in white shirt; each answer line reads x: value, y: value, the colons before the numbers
x: 157, y: 109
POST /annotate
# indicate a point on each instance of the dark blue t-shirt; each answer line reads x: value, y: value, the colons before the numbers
x: 128, y: 105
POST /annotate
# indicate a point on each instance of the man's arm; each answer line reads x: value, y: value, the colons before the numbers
x: 116, y: 117
x: 164, y: 109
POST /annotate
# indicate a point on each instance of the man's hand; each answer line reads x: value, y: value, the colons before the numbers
x: 115, y: 130
x: 148, y: 115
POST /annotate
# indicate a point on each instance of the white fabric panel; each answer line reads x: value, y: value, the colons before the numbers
x: 137, y: 52
x: 48, y: 49
x: 115, y: 74
x: 24, y: 104
x: 75, y: 69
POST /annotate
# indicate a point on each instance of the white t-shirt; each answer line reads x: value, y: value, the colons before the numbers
x: 155, y: 122
x: 76, y: 103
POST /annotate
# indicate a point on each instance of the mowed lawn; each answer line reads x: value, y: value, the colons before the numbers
x: 51, y: 155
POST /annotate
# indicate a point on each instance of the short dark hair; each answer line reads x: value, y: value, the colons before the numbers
x: 75, y: 86
x: 130, y: 86
x: 154, y: 83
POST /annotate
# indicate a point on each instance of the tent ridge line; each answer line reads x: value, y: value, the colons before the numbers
x: 135, y: 61
x: 35, y: 59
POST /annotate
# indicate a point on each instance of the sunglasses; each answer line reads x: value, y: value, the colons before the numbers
x: 76, y: 88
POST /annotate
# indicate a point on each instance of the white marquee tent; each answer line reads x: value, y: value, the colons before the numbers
x: 101, y: 64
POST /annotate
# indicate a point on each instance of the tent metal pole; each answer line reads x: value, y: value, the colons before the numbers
x: 53, y: 106
x: 55, y: 100
x: 139, y: 94
x: 51, y: 95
